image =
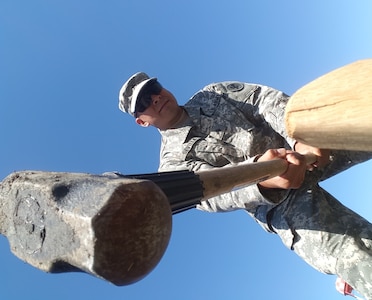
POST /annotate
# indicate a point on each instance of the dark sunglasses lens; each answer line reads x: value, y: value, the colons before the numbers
x: 154, y: 88
x: 143, y: 103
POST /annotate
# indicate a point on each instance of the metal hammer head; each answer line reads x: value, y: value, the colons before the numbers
x: 115, y: 229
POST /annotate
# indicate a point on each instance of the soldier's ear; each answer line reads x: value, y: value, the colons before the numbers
x: 142, y: 123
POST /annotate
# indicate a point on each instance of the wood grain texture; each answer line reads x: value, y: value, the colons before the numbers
x: 335, y: 110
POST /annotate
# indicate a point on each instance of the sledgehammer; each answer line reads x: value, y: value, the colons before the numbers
x: 116, y: 228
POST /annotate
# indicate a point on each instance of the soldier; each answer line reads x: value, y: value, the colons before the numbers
x: 232, y: 123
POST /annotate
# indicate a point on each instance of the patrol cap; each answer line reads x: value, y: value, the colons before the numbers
x: 130, y: 91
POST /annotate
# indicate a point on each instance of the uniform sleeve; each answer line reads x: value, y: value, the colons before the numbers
x: 271, y: 105
x: 248, y: 198
x: 170, y: 162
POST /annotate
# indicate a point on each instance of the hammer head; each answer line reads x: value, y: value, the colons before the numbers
x: 115, y: 229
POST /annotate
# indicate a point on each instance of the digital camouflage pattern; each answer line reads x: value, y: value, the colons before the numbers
x: 232, y: 123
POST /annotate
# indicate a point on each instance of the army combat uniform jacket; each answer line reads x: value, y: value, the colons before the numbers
x: 232, y: 123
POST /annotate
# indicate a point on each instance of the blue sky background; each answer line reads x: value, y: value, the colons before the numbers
x: 62, y: 64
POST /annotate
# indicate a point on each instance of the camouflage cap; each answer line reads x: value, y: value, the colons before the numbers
x: 130, y: 91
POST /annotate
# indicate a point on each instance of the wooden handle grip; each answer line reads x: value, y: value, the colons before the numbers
x: 223, y: 180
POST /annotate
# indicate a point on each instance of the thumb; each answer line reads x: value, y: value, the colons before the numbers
x: 273, y: 153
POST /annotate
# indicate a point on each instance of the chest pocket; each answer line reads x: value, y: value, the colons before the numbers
x: 224, y: 116
x: 236, y: 132
x: 215, y: 152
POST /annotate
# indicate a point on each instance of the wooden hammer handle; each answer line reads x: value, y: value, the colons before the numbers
x: 223, y: 180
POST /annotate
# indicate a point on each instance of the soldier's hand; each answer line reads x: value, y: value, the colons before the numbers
x: 293, y: 177
x: 322, y: 155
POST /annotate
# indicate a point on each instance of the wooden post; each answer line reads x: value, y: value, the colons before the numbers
x: 335, y: 110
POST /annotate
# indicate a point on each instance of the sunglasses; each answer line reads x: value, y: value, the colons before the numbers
x: 143, y: 103
x: 144, y: 100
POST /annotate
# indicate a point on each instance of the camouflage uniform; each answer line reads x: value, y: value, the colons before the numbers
x: 232, y: 123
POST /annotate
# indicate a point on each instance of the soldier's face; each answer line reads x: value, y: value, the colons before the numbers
x: 161, y: 113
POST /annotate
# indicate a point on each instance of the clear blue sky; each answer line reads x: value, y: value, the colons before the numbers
x: 62, y: 64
